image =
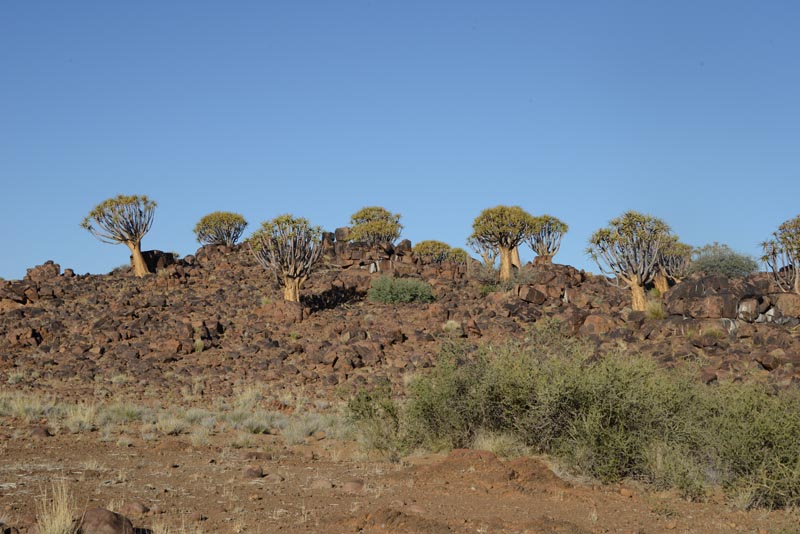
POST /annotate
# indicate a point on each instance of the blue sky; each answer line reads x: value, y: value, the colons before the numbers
x: 686, y: 110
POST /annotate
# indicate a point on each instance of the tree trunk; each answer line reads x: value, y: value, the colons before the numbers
x: 638, y: 300
x: 544, y: 259
x: 505, y: 264
x: 515, y: 261
x: 291, y: 289
x: 661, y: 282
x: 137, y: 260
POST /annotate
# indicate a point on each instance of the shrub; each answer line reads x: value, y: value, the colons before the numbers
x: 612, y: 417
x: 720, y: 259
x: 389, y: 290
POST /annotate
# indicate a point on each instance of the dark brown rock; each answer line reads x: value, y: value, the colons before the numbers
x: 102, y: 521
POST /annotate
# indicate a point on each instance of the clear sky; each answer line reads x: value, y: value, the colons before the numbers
x: 687, y: 110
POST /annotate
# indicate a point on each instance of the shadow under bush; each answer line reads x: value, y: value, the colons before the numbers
x: 614, y: 417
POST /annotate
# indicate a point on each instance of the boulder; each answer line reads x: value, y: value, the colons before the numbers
x: 102, y: 521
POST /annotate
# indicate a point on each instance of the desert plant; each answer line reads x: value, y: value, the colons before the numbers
x: 458, y: 255
x: 220, y: 228
x: 390, y: 290
x: 628, y: 250
x: 782, y: 255
x: 55, y: 511
x: 123, y: 219
x: 484, y: 249
x: 544, y: 236
x: 289, y: 248
x: 432, y: 251
x: 720, y: 259
x: 375, y: 225
x: 502, y: 228
x: 673, y: 263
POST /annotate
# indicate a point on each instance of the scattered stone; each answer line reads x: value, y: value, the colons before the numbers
x: 253, y: 471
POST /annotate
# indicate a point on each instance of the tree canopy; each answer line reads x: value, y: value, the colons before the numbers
x: 629, y: 250
x: 123, y: 219
x: 544, y: 236
x: 220, y: 228
x: 502, y: 228
x: 432, y: 250
x: 375, y: 225
x: 782, y: 255
x: 290, y: 248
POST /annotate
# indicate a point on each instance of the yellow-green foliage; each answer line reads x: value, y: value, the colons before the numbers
x: 611, y: 416
x: 458, y: 255
x: 285, y: 225
x: 122, y: 219
x: 675, y: 258
x: 782, y: 255
x: 629, y: 247
x: 431, y: 250
x: 373, y: 225
x: 502, y: 226
x: 220, y: 228
x: 545, y: 233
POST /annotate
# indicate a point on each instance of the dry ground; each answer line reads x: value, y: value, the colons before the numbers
x: 199, y: 483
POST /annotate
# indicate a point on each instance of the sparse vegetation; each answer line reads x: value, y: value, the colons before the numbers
x: 390, y: 290
x: 123, y: 219
x: 55, y: 510
x: 220, y: 228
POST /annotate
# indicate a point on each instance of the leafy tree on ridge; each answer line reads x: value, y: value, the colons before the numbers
x: 124, y: 219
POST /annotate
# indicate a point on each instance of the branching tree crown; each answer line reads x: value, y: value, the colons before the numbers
x: 629, y: 250
x: 675, y: 258
x: 782, y: 255
x: 220, y: 228
x: 487, y: 252
x: 458, y: 255
x: 123, y: 219
x: 544, y: 236
x: 375, y: 225
x: 433, y: 251
x: 290, y: 248
x: 503, y: 228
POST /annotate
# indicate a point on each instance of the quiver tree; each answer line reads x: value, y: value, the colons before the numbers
x: 487, y: 252
x: 545, y: 236
x: 674, y: 262
x: 432, y: 251
x: 123, y: 219
x: 629, y: 250
x: 220, y: 228
x: 290, y: 248
x: 458, y: 255
x: 782, y: 255
x: 502, y: 228
x: 375, y: 226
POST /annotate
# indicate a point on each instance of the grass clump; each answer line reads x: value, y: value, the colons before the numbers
x: 390, y: 290
x: 54, y: 511
x: 611, y: 417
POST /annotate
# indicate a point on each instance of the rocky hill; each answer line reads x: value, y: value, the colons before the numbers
x: 206, y: 323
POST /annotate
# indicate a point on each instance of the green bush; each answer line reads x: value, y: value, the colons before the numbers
x: 389, y: 290
x: 720, y: 259
x: 612, y: 417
